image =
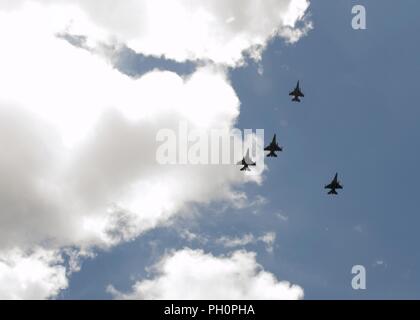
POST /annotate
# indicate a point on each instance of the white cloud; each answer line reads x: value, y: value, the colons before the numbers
x: 282, y: 216
x: 77, y: 137
x: 243, y: 202
x: 232, y: 242
x: 380, y: 263
x: 31, y: 276
x: 193, y: 274
x: 79, y: 142
x: 77, y: 157
x: 236, y: 241
x: 191, y: 236
x: 269, y: 239
x: 217, y: 30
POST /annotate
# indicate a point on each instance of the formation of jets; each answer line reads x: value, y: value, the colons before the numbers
x: 274, y: 147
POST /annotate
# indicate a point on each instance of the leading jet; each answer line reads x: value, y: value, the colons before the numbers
x: 334, y: 185
x: 246, y: 162
x: 272, y: 148
x: 297, y: 93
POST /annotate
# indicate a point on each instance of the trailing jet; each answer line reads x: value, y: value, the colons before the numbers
x: 335, y: 184
x: 296, y: 93
x: 246, y: 162
x: 273, y: 147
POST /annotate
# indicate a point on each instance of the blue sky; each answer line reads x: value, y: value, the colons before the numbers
x: 359, y: 118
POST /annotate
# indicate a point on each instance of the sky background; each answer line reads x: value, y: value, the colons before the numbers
x: 359, y: 117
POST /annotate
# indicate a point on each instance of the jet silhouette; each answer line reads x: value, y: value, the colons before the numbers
x: 296, y: 93
x: 273, y: 147
x: 335, y: 184
x: 246, y: 162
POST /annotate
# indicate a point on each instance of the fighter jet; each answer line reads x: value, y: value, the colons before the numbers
x: 273, y: 147
x: 296, y: 93
x: 335, y: 184
x: 246, y: 162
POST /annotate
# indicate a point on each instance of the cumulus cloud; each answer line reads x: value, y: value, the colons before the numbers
x: 193, y: 274
x: 217, y: 30
x: 37, y: 275
x: 78, y: 139
x: 77, y: 157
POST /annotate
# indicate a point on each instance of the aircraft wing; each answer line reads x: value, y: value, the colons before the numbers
x: 241, y: 163
x: 339, y: 186
x: 329, y: 186
x: 246, y: 162
x: 296, y: 93
x: 277, y: 148
x: 249, y: 162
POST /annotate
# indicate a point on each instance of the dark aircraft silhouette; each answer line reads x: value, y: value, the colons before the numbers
x: 335, y: 184
x: 273, y: 147
x: 246, y: 162
x: 296, y: 93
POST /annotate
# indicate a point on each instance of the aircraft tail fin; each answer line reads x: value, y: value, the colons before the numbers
x: 333, y: 191
x: 272, y: 154
x: 245, y: 168
x: 296, y: 99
